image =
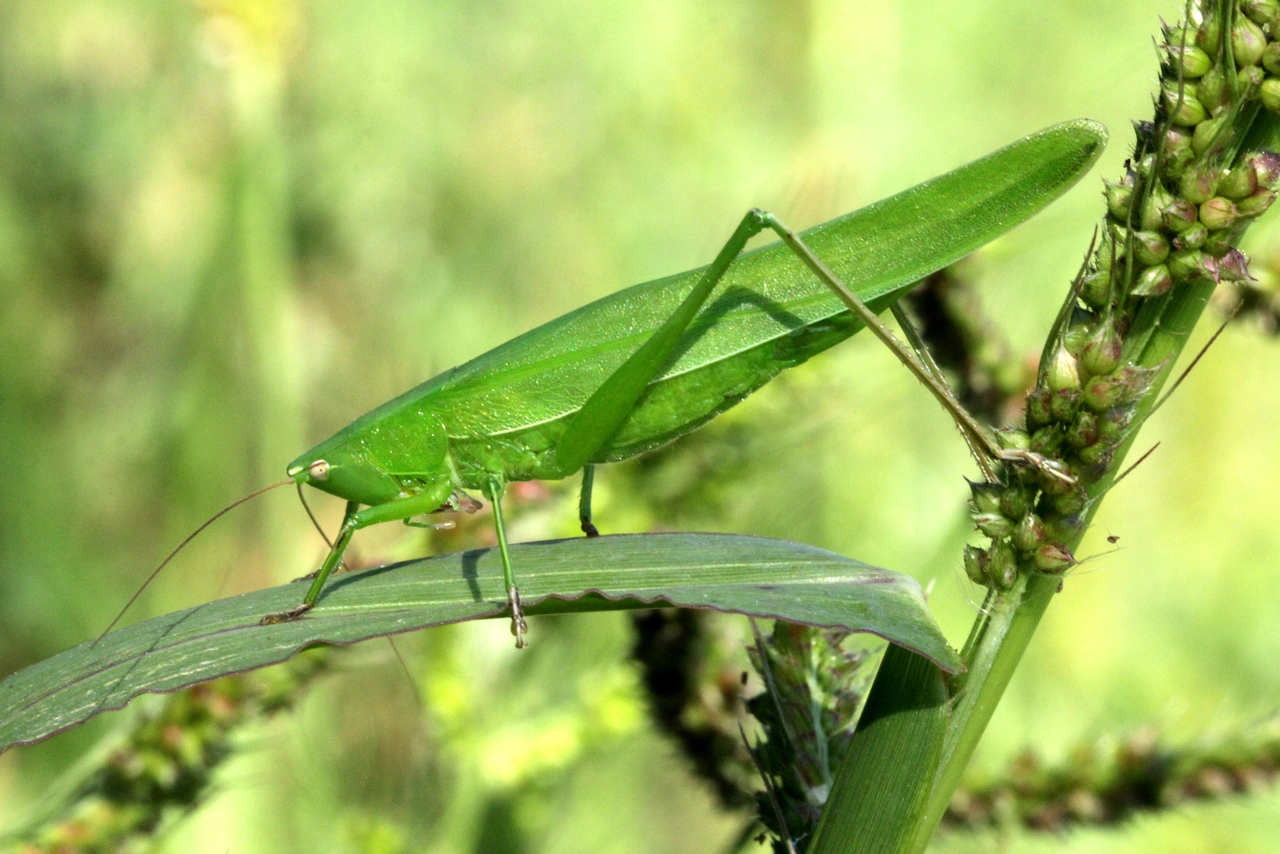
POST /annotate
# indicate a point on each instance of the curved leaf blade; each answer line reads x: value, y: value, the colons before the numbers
x: 740, y: 574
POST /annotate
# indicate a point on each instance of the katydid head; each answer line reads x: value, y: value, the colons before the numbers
x: 344, y: 471
x: 377, y: 460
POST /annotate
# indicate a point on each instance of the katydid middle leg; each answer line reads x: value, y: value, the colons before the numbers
x: 584, y: 501
x: 493, y: 490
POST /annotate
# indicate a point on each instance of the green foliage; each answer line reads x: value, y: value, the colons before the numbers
x: 750, y: 575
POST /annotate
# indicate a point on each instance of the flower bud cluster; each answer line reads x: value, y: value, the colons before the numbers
x: 1172, y: 221
x: 1075, y: 419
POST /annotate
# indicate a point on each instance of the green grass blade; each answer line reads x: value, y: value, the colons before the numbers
x: 748, y: 575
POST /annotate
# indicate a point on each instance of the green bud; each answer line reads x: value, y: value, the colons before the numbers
x: 1218, y: 213
x: 1217, y: 244
x: 1188, y: 265
x: 1177, y: 151
x: 1003, y: 567
x: 1097, y: 454
x: 1047, y: 441
x: 985, y: 496
x: 1113, y: 423
x: 1029, y: 535
x: 1259, y: 11
x: 1153, y: 281
x: 1192, y: 238
x: 1269, y: 94
x: 1101, y: 393
x: 1014, y: 502
x: 1037, y: 406
x: 1150, y: 247
x: 1209, y: 35
x: 1266, y: 167
x: 1251, y: 79
x: 1214, y: 92
x: 1013, y: 440
x: 1084, y: 432
x: 1094, y: 288
x: 1185, y: 110
x: 1053, y: 558
x: 1118, y: 196
x: 975, y: 565
x: 1211, y: 135
x: 1257, y: 203
x: 1063, y: 405
x: 1069, y: 503
x: 1199, y: 184
x: 1153, y: 208
x: 993, y: 525
x: 1247, y: 42
x: 1194, y: 61
x: 1239, y: 182
x: 1101, y: 354
x: 1062, y: 372
x: 1179, y: 215
x: 1075, y: 337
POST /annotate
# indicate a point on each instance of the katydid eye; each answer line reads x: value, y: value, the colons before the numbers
x: 319, y: 470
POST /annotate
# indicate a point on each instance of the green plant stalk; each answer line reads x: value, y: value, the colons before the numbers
x: 898, y: 742
x: 1000, y: 636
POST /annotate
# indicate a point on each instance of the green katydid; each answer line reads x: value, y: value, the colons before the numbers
x: 639, y: 368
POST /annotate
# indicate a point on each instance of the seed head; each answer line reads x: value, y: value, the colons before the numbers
x: 1154, y: 280
x: 1240, y: 182
x: 1062, y: 372
x: 1257, y: 203
x: 1218, y: 213
x: 1269, y: 93
x: 1101, y: 393
x: 994, y: 525
x: 1199, y: 184
x: 1192, y: 238
x: 1029, y: 535
x: 1053, y: 558
x: 1266, y: 166
x: 1247, y: 42
x: 1211, y: 135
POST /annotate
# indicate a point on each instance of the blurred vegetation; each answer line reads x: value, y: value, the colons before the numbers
x: 229, y: 227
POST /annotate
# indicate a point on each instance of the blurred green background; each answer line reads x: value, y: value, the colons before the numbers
x: 228, y: 228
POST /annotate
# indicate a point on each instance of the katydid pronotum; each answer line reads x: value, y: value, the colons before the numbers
x: 629, y: 373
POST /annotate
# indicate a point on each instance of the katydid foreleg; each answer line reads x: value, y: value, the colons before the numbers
x: 354, y: 519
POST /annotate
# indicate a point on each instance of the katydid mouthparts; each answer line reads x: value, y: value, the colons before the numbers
x: 648, y: 364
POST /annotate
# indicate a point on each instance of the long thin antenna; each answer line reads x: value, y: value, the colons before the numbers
x: 152, y: 577
x: 314, y: 521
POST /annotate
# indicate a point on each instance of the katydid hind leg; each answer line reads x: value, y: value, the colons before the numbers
x: 603, y: 413
x: 493, y: 491
x: 974, y: 432
x: 584, y: 501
